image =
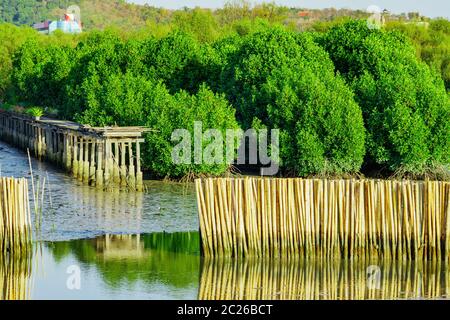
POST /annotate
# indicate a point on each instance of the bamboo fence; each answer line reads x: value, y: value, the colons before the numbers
x: 322, y: 279
x: 269, y: 217
x: 15, y: 219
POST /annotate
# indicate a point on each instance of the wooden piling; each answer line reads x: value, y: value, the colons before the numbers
x: 86, y: 166
x: 116, y: 165
x: 92, y: 164
x: 139, y: 176
x: 75, y: 156
x: 80, y: 158
x: 108, y: 162
x: 123, y: 167
x: 99, y: 171
x: 131, y: 173
x: 98, y: 156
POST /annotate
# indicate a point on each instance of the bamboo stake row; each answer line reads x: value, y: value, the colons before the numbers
x: 321, y: 279
x: 15, y: 219
x: 268, y: 217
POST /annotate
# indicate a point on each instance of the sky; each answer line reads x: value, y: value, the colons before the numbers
x: 429, y: 8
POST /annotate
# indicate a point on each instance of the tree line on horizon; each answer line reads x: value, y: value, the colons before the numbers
x: 431, y: 37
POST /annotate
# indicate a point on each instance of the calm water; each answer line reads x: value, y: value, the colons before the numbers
x: 168, y: 266
x: 73, y: 210
x: 144, y: 246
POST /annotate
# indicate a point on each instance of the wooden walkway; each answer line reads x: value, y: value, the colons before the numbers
x: 100, y: 156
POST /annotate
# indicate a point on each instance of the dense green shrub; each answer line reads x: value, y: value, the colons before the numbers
x: 134, y: 100
x: 40, y: 73
x: 178, y: 60
x: 404, y: 104
x: 286, y: 81
x: 11, y: 38
x: 432, y: 44
x: 98, y: 56
x: 272, y: 77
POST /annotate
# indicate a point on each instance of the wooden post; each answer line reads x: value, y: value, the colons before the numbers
x: 57, y: 145
x: 53, y: 144
x: 116, y: 171
x: 61, y: 148
x: 92, y: 170
x: 75, y: 155
x: 139, y: 177
x: 86, y: 161
x: 123, y: 166
x: 107, y: 162
x: 99, y: 179
x: 80, y: 159
x: 34, y: 131
x: 48, y: 142
x: 131, y: 174
x: 68, y: 154
x: 40, y: 142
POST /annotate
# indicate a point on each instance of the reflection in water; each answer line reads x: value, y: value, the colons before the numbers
x: 123, y: 260
x: 15, y: 276
x: 319, y: 279
x: 73, y: 210
x: 169, y: 266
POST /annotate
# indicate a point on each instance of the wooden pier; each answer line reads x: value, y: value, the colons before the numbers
x: 102, y: 157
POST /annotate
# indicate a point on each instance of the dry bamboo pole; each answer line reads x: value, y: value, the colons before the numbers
x: 203, y: 223
x: 447, y: 217
x: 359, y: 219
x: 15, y: 221
x: 301, y: 216
x: 274, y: 214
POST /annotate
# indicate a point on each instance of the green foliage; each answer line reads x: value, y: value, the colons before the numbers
x: 404, y: 104
x: 199, y: 65
x: 5, y: 106
x: 432, y: 44
x: 201, y: 23
x: 40, y: 73
x: 11, y: 38
x: 133, y: 100
x: 35, y: 111
x: 286, y: 81
x: 97, y: 56
x: 175, y: 59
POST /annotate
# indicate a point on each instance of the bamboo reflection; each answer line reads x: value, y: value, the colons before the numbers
x: 260, y: 279
x: 15, y: 276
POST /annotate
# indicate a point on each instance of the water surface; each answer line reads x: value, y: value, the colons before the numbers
x: 169, y: 266
x: 73, y: 210
x: 145, y: 246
